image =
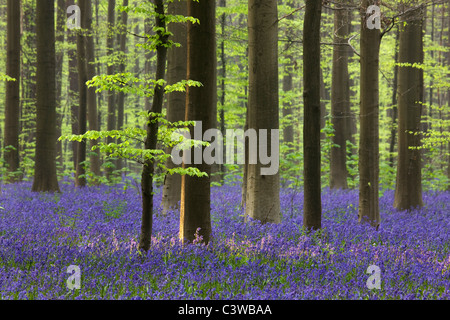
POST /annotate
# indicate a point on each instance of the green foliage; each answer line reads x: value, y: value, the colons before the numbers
x: 131, y: 141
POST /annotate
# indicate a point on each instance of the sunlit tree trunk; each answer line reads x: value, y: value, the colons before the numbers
x: 200, y: 106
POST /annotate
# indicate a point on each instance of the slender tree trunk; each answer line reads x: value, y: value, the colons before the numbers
x: 340, y: 102
x: 312, y: 212
x: 223, y: 75
x: 45, y: 178
x: 152, y: 131
x: 61, y: 17
x: 408, y: 192
x: 394, y: 111
x: 369, y: 122
x: 73, y: 93
x: 12, y: 104
x: 288, y: 86
x: 91, y: 95
x: 121, y: 95
x: 448, y: 90
x: 28, y: 78
x: 200, y: 106
x: 111, y: 118
x: 245, y: 167
x: 176, y: 101
x: 263, y: 198
x: 80, y: 174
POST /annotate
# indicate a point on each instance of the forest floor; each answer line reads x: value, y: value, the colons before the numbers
x: 97, y: 229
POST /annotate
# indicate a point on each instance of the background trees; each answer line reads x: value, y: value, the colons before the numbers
x: 254, y: 38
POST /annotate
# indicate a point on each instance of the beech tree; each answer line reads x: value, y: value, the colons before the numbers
x: 408, y: 192
x: 91, y: 96
x: 12, y: 101
x: 195, y: 219
x: 176, y: 101
x: 80, y: 170
x: 312, y: 207
x: 111, y: 118
x: 45, y: 178
x: 152, y: 128
x: 369, y: 122
x: 340, y: 100
x: 262, y: 194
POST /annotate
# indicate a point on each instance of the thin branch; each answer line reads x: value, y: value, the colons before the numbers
x: 349, y: 43
x: 290, y: 14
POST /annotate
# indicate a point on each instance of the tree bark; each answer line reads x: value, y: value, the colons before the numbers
x: 152, y: 131
x: 369, y: 122
x: 73, y: 93
x: 91, y: 99
x: 263, y: 199
x: 312, y: 208
x: 45, y: 178
x: 176, y: 101
x: 394, y: 112
x: 12, y: 103
x: 340, y: 102
x: 408, y: 192
x: 111, y: 118
x: 80, y: 174
x: 200, y: 106
x: 61, y: 17
x: 121, y: 95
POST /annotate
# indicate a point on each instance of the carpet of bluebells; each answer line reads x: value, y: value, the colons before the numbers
x: 97, y: 229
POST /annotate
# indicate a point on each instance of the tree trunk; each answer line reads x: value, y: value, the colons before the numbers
x: 448, y: 91
x: 91, y: 99
x: 408, y: 192
x: 45, y: 178
x: 152, y: 131
x: 369, y: 127
x: 223, y: 75
x: 73, y: 93
x: 61, y: 17
x: 111, y: 118
x: 394, y: 111
x: 288, y: 130
x: 263, y: 198
x: 340, y: 102
x: 12, y: 104
x: 80, y: 174
x: 121, y: 95
x: 176, y: 101
x: 312, y: 212
x: 195, y: 191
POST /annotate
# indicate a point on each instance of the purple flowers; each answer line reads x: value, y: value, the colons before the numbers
x: 97, y: 230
